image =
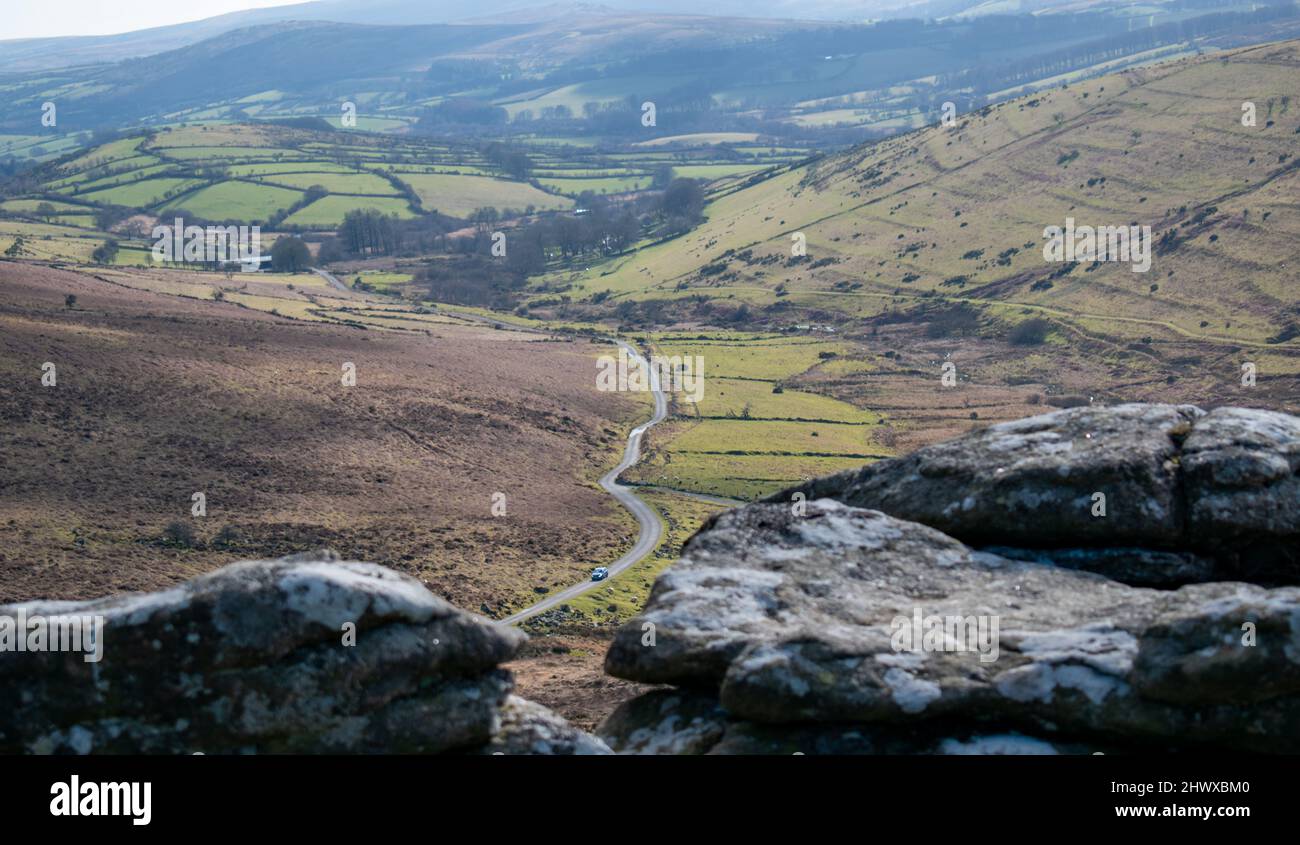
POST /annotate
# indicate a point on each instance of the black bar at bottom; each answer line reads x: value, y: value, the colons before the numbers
x: 611, y: 796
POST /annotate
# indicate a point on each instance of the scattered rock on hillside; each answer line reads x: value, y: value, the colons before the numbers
x: 253, y: 658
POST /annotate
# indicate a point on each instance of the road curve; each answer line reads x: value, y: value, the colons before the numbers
x: 651, y: 528
x: 329, y: 277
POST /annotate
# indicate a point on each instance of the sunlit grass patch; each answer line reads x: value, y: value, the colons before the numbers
x: 329, y: 211
x: 744, y: 477
x: 724, y: 397
x: 236, y: 201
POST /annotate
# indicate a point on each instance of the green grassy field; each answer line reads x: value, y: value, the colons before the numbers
x: 245, y: 172
x: 734, y: 398
x: 751, y: 432
x: 83, y: 185
x: 714, y: 171
x: 742, y: 477
x: 328, y: 211
x: 461, y: 195
x: 142, y: 194
x: 232, y: 153
x: 736, y: 354
x: 30, y: 206
x: 296, y: 167
x: 236, y: 201
x: 336, y: 183
x: 379, y: 279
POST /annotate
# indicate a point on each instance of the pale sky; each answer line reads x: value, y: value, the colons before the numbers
x: 41, y: 18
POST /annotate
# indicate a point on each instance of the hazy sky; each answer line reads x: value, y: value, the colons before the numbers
x: 39, y: 18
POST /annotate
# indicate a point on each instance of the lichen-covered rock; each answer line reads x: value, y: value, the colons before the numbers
x: 529, y: 728
x: 1130, y: 564
x: 665, y: 722
x: 1031, y: 481
x: 1157, y: 495
x: 1241, y: 478
x: 304, y: 654
x: 684, y: 722
x: 798, y: 619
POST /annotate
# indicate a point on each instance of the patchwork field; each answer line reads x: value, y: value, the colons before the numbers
x: 261, y: 173
x: 328, y: 212
x: 752, y: 432
x: 235, y: 200
x: 459, y: 196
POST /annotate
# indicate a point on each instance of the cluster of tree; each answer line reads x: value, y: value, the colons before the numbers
x: 681, y: 206
x: 488, y: 267
x: 601, y: 231
x: 602, y: 227
x: 464, y: 74
x: 290, y: 255
x: 511, y: 161
x: 315, y: 124
x: 471, y: 279
x: 45, y: 211
x: 948, y: 320
x: 1030, y: 332
x: 460, y: 112
x: 367, y: 232
x: 11, y: 167
x: 105, y: 253
x: 108, y: 216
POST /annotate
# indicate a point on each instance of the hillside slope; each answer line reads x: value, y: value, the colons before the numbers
x: 961, y: 211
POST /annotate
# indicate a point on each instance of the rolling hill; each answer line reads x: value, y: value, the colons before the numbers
x: 37, y: 54
x: 959, y: 212
x: 925, y: 301
x: 28, y: 54
x: 562, y: 69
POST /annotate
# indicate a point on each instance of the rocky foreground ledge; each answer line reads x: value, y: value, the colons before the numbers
x: 974, y: 597
x: 305, y: 654
x: 1092, y: 580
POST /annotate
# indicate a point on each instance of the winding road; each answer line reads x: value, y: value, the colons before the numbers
x: 651, y: 529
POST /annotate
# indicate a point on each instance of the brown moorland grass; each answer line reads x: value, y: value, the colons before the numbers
x: 159, y: 397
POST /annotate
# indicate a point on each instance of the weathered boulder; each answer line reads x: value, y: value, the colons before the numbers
x: 820, y: 626
x: 1158, y: 495
x: 683, y: 723
x: 303, y: 654
x: 1241, y: 479
x: 528, y: 728
x: 666, y: 722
